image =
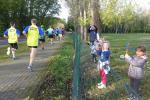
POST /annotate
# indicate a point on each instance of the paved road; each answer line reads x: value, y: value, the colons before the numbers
x: 16, y: 80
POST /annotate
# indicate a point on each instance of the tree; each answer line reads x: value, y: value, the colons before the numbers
x: 22, y: 11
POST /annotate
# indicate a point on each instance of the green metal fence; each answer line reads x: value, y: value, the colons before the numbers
x: 76, y: 69
x: 81, y: 84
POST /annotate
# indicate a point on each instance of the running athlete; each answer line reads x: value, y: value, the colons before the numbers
x: 12, y: 34
x: 32, y: 33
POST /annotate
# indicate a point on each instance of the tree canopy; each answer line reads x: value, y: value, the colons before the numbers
x: 21, y: 11
x: 113, y: 16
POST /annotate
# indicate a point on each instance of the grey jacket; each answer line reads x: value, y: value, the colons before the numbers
x: 136, y: 67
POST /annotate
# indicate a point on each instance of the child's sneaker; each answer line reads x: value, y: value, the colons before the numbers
x: 102, y: 86
x: 99, y: 84
x: 131, y: 97
x: 95, y: 60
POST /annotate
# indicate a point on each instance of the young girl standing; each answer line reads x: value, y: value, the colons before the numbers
x: 136, y: 67
x: 103, y: 64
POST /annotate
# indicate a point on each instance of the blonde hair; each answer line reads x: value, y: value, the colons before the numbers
x: 106, y: 45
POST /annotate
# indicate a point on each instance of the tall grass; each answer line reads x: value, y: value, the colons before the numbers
x: 57, y: 83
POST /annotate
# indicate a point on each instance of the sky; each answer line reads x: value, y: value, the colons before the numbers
x: 144, y: 4
x: 64, y: 13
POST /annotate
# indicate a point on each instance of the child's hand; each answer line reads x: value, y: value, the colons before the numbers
x: 126, y: 55
x: 144, y: 57
x: 126, y: 51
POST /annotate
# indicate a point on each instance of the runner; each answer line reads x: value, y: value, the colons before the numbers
x: 60, y: 34
x: 50, y: 34
x: 42, y: 39
x: 32, y: 33
x: 12, y: 34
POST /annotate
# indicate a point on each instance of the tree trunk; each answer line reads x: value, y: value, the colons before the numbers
x: 81, y: 26
x: 84, y: 30
x: 96, y: 14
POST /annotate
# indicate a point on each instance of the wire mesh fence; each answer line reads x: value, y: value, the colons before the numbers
x: 85, y: 78
x: 76, y: 69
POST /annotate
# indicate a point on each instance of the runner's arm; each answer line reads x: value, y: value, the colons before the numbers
x: 25, y: 31
x: 6, y: 34
x: 41, y: 32
x: 18, y: 32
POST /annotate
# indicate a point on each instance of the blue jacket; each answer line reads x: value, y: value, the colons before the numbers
x: 93, y: 36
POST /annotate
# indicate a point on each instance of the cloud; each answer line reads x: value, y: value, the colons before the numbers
x: 64, y: 12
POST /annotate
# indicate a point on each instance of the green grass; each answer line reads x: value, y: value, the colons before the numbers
x: 22, y: 49
x: 57, y: 83
x: 90, y: 74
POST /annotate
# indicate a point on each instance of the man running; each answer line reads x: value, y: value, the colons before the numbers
x: 12, y: 34
x: 32, y: 33
x: 50, y: 34
x: 42, y: 39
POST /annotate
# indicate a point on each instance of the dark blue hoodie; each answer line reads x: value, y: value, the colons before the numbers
x: 93, y: 36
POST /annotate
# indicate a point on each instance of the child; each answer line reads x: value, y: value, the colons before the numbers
x: 103, y: 64
x: 92, y: 33
x: 95, y: 49
x: 12, y: 34
x: 93, y: 52
x: 136, y: 67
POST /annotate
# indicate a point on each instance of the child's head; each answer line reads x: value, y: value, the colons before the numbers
x: 98, y: 47
x: 140, y: 51
x: 100, y: 41
x: 105, y: 45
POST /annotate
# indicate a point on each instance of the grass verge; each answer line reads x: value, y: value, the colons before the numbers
x: 90, y: 74
x: 57, y: 83
x: 22, y: 48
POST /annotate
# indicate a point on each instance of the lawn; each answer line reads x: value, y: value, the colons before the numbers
x: 22, y: 49
x: 115, y: 88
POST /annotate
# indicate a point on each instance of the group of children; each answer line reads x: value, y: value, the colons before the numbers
x: 34, y: 35
x: 101, y: 48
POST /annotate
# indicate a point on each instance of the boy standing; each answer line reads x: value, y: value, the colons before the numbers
x: 12, y: 34
x: 32, y: 33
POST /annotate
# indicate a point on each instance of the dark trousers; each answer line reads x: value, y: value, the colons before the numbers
x: 94, y: 57
x: 91, y: 42
x: 135, y: 83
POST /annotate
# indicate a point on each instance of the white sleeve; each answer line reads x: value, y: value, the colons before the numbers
x: 98, y: 37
